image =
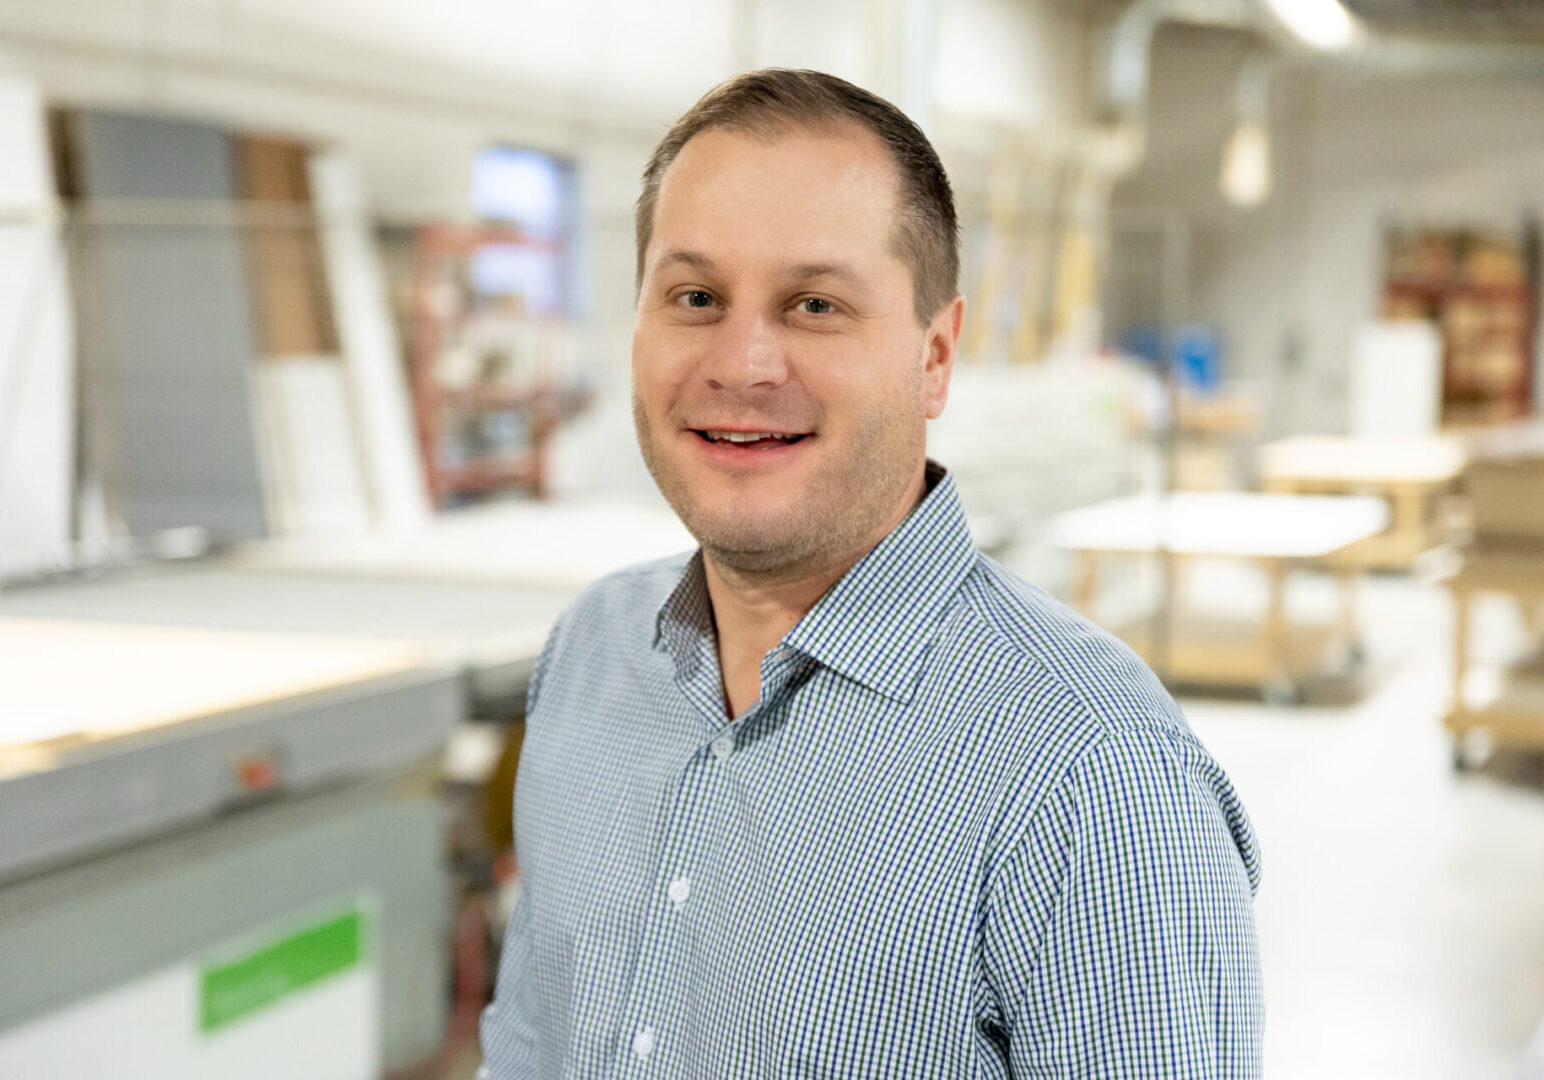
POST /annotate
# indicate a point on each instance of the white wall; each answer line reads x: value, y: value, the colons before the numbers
x: 1245, y: 272
x: 1016, y: 64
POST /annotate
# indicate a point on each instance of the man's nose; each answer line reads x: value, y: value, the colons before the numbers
x: 748, y: 354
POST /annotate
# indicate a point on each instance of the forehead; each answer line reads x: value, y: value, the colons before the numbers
x: 804, y: 194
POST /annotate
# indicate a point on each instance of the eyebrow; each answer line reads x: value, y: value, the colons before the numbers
x: 805, y: 271
x: 690, y: 258
x: 799, y: 272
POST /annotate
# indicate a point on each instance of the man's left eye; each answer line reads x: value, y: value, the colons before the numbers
x: 814, y: 305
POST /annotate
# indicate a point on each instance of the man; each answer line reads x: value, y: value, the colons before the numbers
x: 837, y: 796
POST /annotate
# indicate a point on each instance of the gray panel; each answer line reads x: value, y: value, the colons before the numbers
x: 167, y: 332
x: 79, y: 931
x: 132, y: 787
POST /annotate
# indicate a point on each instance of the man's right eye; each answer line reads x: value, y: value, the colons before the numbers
x: 697, y: 299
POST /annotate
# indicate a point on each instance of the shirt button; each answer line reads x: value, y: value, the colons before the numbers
x: 723, y: 746
x: 643, y: 1042
x: 680, y: 891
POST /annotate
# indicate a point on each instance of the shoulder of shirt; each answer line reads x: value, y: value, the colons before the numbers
x: 626, y: 600
x: 1089, y: 703
x: 1108, y: 685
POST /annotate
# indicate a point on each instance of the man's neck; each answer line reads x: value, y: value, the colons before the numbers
x: 752, y: 615
x: 752, y: 612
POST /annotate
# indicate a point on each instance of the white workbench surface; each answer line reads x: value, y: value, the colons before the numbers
x: 1346, y: 459
x: 553, y: 545
x: 1235, y: 524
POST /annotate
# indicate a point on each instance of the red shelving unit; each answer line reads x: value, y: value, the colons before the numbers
x: 485, y: 409
x: 1479, y: 290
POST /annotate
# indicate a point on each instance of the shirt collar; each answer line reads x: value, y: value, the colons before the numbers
x: 874, y: 625
x: 685, y: 619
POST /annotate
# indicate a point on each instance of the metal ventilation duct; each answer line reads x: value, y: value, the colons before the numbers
x: 1494, y: 38
x: 1449, y: 18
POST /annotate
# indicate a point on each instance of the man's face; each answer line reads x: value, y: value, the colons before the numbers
x: 781, y: 382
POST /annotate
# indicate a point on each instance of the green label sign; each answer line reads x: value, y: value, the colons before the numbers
x: 253, y: 982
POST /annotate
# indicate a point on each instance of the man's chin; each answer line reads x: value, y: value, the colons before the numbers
x: 746, y: 534
x: 755, y: 544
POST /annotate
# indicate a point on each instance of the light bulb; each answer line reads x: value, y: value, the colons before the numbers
x: 1246, y: 164
x: 1322, y: 24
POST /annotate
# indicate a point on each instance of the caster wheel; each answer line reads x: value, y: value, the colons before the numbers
x: 1279, y: 693
x: 1460, y: 757
x: 1471, y: 750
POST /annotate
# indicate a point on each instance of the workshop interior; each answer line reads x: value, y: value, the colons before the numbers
x: 315, y: 324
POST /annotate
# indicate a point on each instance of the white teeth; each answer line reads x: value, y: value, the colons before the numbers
x: 745, y: 436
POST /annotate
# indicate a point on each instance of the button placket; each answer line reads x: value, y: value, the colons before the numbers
x: 650, y: 993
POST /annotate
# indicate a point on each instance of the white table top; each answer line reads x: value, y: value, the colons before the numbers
x: 96, y: 680
x: 1349, y: 459
x: 1234, y: 524
x: 553, y: 545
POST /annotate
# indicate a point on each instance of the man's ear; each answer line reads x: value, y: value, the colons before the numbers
x: 943, y: 343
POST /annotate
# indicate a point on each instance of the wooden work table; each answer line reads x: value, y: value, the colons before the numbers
x: 1279, y: 533
x: 1513, y: 713
x: 1409, y: 473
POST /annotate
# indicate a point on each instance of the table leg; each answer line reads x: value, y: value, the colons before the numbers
x: 1460, y: 657
x: 1533, y: 618
x: 1183, y: 566
x: 1409, y: 521
x: 1085, y: 580
x: 1349, y: 630
x: 1279, y: 686
x: 1457, y: 719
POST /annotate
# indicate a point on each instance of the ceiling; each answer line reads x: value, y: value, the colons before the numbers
x: 1467, y: 18
x: 1484, y: 19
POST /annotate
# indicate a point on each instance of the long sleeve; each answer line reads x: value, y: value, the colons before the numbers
x: 508, y: 1029
x: 508, y: 1033
x: 1119, y: 932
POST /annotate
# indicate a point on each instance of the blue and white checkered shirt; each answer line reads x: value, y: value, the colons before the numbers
x: 962, y: 833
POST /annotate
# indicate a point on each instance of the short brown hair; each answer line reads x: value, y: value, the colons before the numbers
x: 767, y: 103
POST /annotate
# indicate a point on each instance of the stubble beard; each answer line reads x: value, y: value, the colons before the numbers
x: 836, y: 519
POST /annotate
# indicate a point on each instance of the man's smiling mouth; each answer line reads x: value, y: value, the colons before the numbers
x: 747, y: 439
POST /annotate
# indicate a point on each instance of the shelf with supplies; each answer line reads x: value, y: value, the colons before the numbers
x: 1478, y: 289
x: 495, y: 361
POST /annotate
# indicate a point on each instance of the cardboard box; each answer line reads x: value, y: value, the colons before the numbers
x: 1507, y: 496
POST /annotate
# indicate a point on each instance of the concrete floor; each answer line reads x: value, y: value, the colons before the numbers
x: 1401, y: 911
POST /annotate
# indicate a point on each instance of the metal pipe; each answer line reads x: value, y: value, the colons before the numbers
x: 1128, y: 51
x: 1254, y: 86
x: 1386, y: 55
